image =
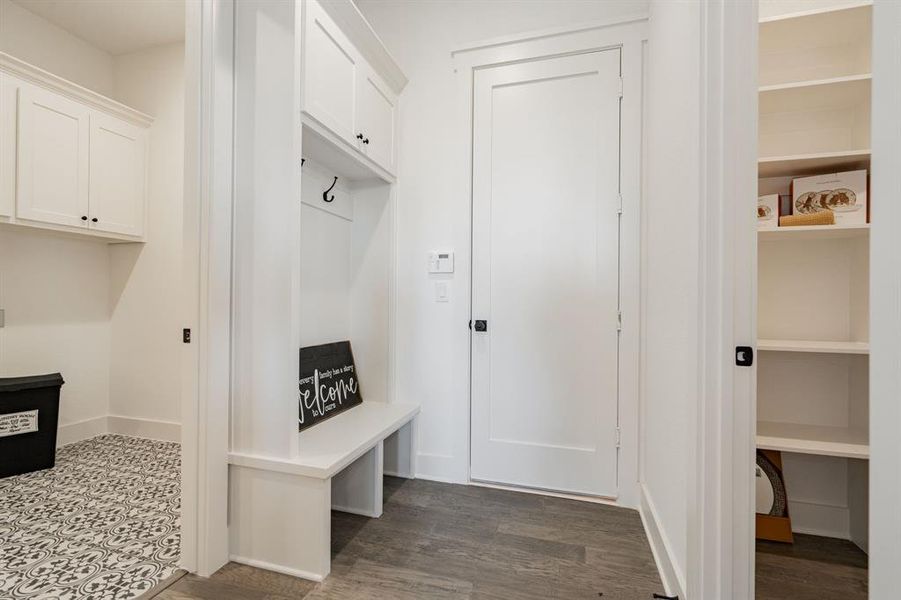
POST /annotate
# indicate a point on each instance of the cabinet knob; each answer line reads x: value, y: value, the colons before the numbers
x: 360, y: 136
x: 366, y: 141
x: 94, y: 220
x: 84, y: 218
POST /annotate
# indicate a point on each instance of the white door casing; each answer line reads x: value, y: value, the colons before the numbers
x: 546, y: 165
x: 52, y: 172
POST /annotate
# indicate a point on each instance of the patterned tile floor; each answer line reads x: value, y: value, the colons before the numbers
x: 102, y: 524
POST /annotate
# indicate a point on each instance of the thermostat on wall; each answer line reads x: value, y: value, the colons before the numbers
x: 441, y: 262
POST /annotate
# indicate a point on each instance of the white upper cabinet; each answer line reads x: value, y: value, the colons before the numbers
x: 350, y: 83
x: 376, y: 109
x: 52, y: 158
x: 70, y: 160
x: 330, y: 74
x: 118, y: 182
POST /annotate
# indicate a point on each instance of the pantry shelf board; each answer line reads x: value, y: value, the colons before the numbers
x: 820, y: 440
x: 818, y: 232
x: 815, y: 346
x: 813, y: 164
x: 818, y: 86
x: 831, y: 14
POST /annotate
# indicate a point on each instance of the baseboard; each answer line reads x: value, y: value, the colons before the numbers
x: 356, y: 511
x: 166, y: 431
x: 670, y: 574
x: 143, y: 428
x: 261, y: 564
x: 81, y: 430
x: 438, y: 467
x: 825, y: 520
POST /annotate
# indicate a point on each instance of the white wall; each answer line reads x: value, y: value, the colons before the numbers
x: 671, y: 273
x: 144, y: 295
x: 54, y: 292
x: 432, y: 338
x: 56, y: 289
x: 105, y: 316
x: 39, y: 42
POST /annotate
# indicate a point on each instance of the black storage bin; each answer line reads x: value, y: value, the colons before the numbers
x: 23, y: 450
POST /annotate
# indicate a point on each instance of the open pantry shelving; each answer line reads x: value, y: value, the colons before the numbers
x: 813, y: 281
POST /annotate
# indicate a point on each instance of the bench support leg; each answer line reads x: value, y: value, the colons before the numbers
x: 280, y: 522
x: 358, y: 488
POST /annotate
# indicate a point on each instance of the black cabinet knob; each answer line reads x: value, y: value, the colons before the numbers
x: 359, y: 136
x: 84, y: 218
x: 366, y: 141
x: 481, y: 325
x: 94, y: 220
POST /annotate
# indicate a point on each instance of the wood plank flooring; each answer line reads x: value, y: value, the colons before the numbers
x: 813, y: 568
x: 437, y: 541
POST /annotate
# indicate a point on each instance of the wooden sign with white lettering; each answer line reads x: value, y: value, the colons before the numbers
x: 328, y: 382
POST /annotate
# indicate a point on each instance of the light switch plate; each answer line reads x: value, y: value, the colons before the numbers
x: 442, y: 291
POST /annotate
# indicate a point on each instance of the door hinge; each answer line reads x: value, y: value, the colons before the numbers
x: 186, y: 336
x: 619, y: 207
x: 620, y: 87
x: 619, y: 320
x: 619, y: 437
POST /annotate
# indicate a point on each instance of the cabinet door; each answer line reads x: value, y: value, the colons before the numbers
x: 9, y: 92
x: 118, y: 176
x: 376, y: 111
x: 52, y: 155
x: 330, y: 74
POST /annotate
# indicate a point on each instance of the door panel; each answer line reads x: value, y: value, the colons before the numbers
x: 52, y: 158
x: 376, y: 121
x: 331, y: 74
x: 545, y: 273
x: 117, y: 191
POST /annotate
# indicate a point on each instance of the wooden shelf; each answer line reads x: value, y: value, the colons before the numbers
x: 812, y: 164
x: 819, y: 86
x: 814, y: 232
x: 826, y: 15
x: 813, y: 439
x: 820, y: 347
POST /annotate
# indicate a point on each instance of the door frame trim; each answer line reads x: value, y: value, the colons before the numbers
x: 629, y: 34
x: 720, y: 557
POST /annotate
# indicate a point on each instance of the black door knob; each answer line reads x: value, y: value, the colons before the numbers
x: 94, y: 220
x: 84, y: 218
x: 481, y: 325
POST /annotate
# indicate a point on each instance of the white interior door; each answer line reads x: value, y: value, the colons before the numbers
x: 546, y: 163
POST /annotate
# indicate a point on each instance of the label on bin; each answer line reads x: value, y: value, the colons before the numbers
x: 20, y: 422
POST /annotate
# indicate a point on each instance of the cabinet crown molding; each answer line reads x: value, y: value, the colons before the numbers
x: 28, y: 72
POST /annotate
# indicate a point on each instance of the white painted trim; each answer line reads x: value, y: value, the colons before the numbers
x: 629, y: 34
x: 356, y: 511
x: 817, y: 11
x: 261, y: 564
x: 530, y: 36
x: 55, y: 83
x: 80, y: 430
x: 673, y: 579
x: 885, y: 305
x: 206, y: 372
x: 144, y: 428
x: 720, y: 557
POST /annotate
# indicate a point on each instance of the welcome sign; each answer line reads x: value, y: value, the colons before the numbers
x: 328, y: 382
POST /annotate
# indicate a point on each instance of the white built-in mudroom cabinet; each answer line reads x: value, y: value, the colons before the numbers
x: 72, y: 160
x: 323, y: 273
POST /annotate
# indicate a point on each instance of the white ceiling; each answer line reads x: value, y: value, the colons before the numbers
x: 116, y: 26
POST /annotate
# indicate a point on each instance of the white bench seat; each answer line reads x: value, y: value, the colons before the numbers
x: 283, y: 505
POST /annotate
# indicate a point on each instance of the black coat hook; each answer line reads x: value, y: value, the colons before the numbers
x: 302, y: 160
x: 325, y: 197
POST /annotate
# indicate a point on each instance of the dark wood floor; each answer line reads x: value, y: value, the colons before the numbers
x: 813, y: 568
x: 437, y: 540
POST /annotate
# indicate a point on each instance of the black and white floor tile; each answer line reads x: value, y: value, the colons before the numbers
x: 103, y: 524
